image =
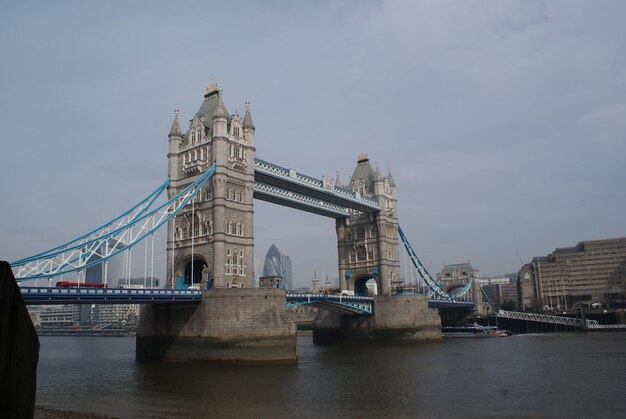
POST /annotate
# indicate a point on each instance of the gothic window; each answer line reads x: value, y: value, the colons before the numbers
x: 202, y: 154
x: 242, y: 267
x: 360, y: 255
x: 229, y: 260
x: 360, y: 233
x: 370, y: 253
x: 196, y: 229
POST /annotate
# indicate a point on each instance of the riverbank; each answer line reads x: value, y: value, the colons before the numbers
x: 47, y: 413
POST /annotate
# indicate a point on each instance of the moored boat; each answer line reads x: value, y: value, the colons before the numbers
x: 473, y: 331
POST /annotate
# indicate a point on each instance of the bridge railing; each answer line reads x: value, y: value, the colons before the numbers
x: 354, y: 304
x: 300, y: 198
x: 85, y: 295
x: 546, y: 318
x: 309, y: 181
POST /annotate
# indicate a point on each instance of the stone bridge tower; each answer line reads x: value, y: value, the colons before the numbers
x: 211, y: 240
x: 367, y: 243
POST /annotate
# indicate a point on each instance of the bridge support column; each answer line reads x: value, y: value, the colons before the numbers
x: 404, y: 318
x: 229, y: 326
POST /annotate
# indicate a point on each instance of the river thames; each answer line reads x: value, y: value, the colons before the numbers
x: 554, y: 375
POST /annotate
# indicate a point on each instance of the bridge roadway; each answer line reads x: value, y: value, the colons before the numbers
x: 342, y: 304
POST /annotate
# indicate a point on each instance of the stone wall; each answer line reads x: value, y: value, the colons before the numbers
x: 232, y: 326
x: 396, y: 319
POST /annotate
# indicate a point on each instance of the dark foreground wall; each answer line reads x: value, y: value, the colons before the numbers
x: 19, y: 351
x: 230, y: 326
x: 398, y: 318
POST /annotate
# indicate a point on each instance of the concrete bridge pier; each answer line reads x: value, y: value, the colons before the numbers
x: 229, y: 326
x: 397, y: 318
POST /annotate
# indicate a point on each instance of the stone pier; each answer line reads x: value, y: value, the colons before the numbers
x: 397, y: 319
x: 229, y: 326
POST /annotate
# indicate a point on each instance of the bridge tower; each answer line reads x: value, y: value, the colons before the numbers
x: 211, y: 243
x: 368, y: 243
x: 212, y: 239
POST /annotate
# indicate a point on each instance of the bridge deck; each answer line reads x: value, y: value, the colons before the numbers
x: 54, y: 295
x: 344, y: 304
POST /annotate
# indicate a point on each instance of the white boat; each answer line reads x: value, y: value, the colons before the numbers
x: 473, y: 331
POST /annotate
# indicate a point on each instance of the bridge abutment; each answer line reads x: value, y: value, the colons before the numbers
x: 405, y: 318
x: 229, y: 326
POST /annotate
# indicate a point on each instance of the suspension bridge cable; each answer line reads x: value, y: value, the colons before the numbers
x: 70, y: 259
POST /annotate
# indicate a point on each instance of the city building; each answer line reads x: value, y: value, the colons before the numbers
x: 103, y: 272
x: 315, y: 284
x: 54, y: 316
x: 278, y: 264
x: 457, y: 276
x: 593, y: 271
x: 500, y: 293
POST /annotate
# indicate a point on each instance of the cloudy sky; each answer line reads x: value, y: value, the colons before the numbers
x: 503, y: 122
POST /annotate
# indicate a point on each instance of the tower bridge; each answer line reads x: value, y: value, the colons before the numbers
x: 214, y: 176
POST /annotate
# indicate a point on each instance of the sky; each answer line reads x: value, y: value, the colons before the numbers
x: 503, y: 122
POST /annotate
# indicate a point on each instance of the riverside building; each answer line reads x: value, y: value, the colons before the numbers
x: 593, y: 271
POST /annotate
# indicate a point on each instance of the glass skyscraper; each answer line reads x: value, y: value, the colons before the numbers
x: 278, y: 264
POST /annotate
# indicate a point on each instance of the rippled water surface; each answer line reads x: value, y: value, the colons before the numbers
x: 555, y: 375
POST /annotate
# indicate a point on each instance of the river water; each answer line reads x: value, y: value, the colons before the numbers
x: 553, y: 375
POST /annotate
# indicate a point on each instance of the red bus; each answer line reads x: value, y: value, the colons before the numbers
x: 68, y: 284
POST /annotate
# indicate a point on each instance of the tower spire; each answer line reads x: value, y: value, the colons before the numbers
x: 377, y: 175
x: 390, y: 178
x: 175, y: 130
x: 220, y: 109
x: 247, y: 119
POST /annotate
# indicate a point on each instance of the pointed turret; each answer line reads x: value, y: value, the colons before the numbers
x: 379, y: 186
x: 175, y: 140
x: 247, y: 119
x: 248, y: 125
x: 390, y: 178
x: 220, y: 109
x: 378, y: 177
x: 220, y: 118
x: 175, y: 130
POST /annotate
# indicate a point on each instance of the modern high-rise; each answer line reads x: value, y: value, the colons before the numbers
x: 593, y: 271
x: 278, y: 264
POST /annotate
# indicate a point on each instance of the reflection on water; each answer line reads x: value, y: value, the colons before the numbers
x: 557, y: 375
